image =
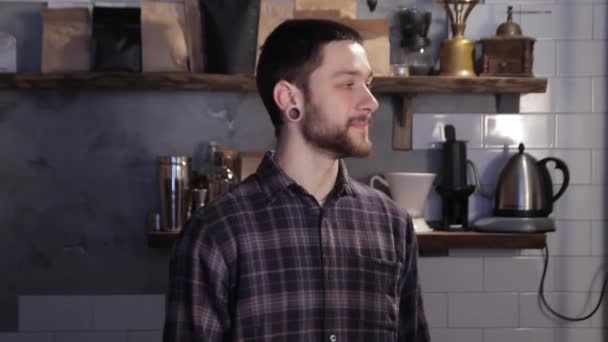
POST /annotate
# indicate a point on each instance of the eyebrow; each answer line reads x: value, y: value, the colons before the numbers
x: 352, y: 72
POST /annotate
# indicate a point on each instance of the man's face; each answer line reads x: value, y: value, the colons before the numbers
x: 339, y: 105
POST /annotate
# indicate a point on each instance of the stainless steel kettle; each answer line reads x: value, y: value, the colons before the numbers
x: 525, y: 188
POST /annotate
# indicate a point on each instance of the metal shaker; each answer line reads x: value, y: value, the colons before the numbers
x: 174, y: 176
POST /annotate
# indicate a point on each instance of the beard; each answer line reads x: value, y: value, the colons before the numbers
x: 340, y: 141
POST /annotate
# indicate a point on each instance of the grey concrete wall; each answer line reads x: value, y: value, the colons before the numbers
x: 78, y: 173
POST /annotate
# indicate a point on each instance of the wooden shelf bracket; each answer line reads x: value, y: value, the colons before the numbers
x: 402, y: 122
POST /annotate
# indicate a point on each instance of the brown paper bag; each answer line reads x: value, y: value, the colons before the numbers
x: 375, y: 33
x: 194, y: 36
x: 248, y: 163
x: 66, y: 37
x: 310, y: 14
x: 163, y: 40
x: 271, y: 15
x: 346, y: 8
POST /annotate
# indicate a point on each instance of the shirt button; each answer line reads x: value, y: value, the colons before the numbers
x: 332, y: 338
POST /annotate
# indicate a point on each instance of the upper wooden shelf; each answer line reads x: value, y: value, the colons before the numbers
x: 245, y: 83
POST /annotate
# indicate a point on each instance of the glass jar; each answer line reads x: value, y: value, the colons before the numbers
x: 419, y: 59
x: 415, y: 52
x: 222, y: 178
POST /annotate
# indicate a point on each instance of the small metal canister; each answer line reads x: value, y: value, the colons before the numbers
x: 174, y: 176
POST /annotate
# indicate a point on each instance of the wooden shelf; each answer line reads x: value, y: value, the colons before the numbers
x: 128, y: 81
x: 439, y: 240
x: 246, y: 83
x: 453, y: 85
x: 161, y: 239
x: 431, y: 241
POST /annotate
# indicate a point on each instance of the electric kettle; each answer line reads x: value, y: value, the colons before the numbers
x: 525, y: 188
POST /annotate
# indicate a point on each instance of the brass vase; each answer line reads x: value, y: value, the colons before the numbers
x: 458, y: 53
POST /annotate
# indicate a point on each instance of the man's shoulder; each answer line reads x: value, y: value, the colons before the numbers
x: 226, y: 211
x: 376, y: 199
x: 245, y: 195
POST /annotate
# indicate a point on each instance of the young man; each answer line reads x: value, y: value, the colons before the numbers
x: 299, y: 251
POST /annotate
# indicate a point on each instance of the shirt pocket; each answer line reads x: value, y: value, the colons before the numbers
x: 373, y: 287
x: 378, y: 275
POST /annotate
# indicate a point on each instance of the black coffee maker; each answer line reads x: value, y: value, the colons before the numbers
x: 453, y: 186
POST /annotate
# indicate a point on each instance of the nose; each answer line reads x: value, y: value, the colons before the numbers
x: 368, y: 102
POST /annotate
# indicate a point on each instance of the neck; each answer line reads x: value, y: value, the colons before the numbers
x: 313, y: 169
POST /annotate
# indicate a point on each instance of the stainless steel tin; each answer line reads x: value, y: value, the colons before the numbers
x: 174, y: 178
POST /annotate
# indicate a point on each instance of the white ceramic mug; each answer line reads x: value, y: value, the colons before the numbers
x: 410, y: 191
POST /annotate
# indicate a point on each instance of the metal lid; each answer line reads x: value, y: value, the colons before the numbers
x: 178, y: 160
x: 509, y: 28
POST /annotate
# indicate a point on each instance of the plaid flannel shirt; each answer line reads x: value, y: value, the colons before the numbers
x: 266, y: 262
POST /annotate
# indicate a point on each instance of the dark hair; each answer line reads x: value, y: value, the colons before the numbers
x: 291, y: 53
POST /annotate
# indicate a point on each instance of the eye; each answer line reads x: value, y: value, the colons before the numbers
x: 348, y: 84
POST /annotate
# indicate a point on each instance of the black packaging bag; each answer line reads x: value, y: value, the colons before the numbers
x: 116, y: 41
x: 230, y: 35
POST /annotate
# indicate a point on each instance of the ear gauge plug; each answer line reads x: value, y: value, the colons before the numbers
x: 294, y: 113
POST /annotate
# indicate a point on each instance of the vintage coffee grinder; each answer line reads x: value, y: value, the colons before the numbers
x: 509, y: 52
x: 457, y: 54
x: 453, y: 186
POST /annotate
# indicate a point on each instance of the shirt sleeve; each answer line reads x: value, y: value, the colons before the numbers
x: 197, y: 298
x: 413, y: 326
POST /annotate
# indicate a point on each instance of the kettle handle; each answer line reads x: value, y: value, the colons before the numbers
x: 559, y: 164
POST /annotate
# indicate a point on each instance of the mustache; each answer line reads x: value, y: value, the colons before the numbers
x: 362, y: 117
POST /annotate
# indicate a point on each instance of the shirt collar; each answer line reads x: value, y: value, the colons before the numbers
x: 274, y: 179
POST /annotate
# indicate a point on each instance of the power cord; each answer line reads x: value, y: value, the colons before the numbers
x: 541, y: 292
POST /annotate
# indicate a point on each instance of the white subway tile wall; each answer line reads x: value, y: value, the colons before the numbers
x: 598, y: 168
x: 144, y: 336
x: 581, y: 58
x: 499, y: 274
x: 429, y: 129
x: 572, y: 304
x: 90, y: 336
x: 456, y: 335
x: 25, y: 337
x: 571, y: 94
x: 581, y: 130
x: 436, y: 305
x: 108, y: 318
x: 563, y: 22
x: 599, y: 94
x: 468, y: 310
x: 520, y: 335
x: 484, y: 20
x: 544, y: 57
x: 451, y: 274
x: 581, y: 202
x: 598, y: 320
x: 492, y: 295
x: 599, y: 239
x: 535, y: 131
x: 600, y: 30
x: 137, y: 312
x: 573, y: 238
x: 44, y: 313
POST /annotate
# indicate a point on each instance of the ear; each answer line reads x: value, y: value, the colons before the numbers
x: 286, y: 96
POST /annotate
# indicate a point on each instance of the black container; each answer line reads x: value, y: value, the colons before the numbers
x: 230, y: 35
x: 453, y: 187
x: 116, y: 39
